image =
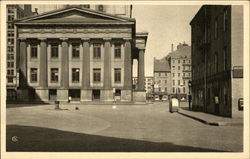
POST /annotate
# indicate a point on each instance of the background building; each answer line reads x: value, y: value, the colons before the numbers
x: 180, y: 66
x: 118, y: 10
x: 13, y: 12
x: 162, y: 78
x: 79, y: 53
x: 217, y: 59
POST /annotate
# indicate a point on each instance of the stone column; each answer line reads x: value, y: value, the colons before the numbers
x: 86, y: 64
x: 141, y: 70
x: 65, y: 64
x: 128, y: 65
x: 107, y: 64
x: 43, y: 82
x: 23, y: 63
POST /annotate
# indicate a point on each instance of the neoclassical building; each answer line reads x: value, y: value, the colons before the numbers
x: 79, y: 53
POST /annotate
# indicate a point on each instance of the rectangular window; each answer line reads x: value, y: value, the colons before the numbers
x: 173, y: 74
x: 183, y: 61
x: 216, y: 28
x: 183, y: 74
x: 97, y: 74
x: 97, y: 51
x: 184, y: 90
x: 179, y: 74
x: 216, y: 62
x: 100, y: 8
x: 10, y: 79
x: 117, y: 50
x: 75, y: 74
x: 159, y: 81
x: 159, y: 74
x: 159, y: 89
x: 173, y: 90
x: 33, y: 51
x: 117, y: 75
x: 33, y: 75
x: 54, y: 74
x: 179, y: 82
x: 10, y: 64
x: 166, y: 74
x: 165, y: 81
x: 179, y: 67
x: 10, y: 72
x: 225, y: 20
x: 54, y: 50
x: 10, y: 56
x: 166, y: 89
x: 173, y: 82
x: 75, y: 50
x: 179, y: 61
x: 225, y: 58
x: 173, y: 67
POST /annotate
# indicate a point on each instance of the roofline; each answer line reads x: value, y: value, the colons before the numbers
x: 77, y: 8
x: 99, y: 23
x: 190, y: 23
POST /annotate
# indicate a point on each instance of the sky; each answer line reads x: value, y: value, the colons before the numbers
x: 166, y: 25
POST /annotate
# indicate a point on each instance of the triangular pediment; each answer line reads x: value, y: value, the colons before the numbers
x: 74, y: 15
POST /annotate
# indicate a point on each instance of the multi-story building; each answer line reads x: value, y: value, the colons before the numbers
x: 13, y: 12
x: 162, y: 78
x: 180, y: 68
x: 217, y: 59
x: 119, y: 10
x: 79, y: 53
x: 148, y: 85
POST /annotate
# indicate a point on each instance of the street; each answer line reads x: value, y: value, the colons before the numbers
x: 124, y: 128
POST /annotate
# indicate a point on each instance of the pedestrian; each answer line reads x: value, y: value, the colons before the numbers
x: 69, y: 99
x: 189, y: 101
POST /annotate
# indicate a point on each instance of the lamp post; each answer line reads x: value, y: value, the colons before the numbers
x: 189, y: 95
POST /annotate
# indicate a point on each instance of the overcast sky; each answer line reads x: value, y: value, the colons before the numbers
x: 166, y: 25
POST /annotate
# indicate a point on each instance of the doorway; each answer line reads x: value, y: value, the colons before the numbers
x: 75, y: 94
x: 96, y: 94
x: 52, y: 94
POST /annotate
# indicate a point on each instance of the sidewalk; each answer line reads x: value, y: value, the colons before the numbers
x: 211, y: 119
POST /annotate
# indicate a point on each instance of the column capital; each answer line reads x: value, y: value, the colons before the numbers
x: 127, y: 39
x: 64, y: 39
x: 107, y: 39
x: 22, y: 39
x: 42, y: 39
x: 85, y: 39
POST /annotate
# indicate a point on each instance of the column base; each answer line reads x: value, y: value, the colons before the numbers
x: 86, y: 95
x: 107, y: 95
x: 62, y: 94
x: 139, y: 96
x: 42, y: 95
x: 126, y: 95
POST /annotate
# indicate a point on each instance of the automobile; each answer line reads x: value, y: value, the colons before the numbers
x: 164, y: 98
x: 240, y: 104
x: 157, y: 98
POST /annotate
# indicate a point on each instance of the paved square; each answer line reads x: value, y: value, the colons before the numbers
x: 124, y: 128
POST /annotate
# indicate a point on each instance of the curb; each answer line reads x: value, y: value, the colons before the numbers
x: 212, y: 123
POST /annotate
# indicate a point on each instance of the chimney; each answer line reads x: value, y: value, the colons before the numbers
x: 172, y: 47
x: 36, y: 12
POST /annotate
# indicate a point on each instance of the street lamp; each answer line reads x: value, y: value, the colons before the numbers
x: 189, y: 94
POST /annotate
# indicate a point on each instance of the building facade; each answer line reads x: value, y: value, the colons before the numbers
x: 13, y: 12
x: 79, y: 53
x: 217, y: 59
x: 180, y: 67
x: 162, y: 78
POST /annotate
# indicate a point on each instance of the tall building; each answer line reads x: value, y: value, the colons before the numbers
x: 217, y: 59
x: 79, y: 53
x: 180, y: 67
x: 13, y: 12
x: 162, y: 78
x: 118, y: 10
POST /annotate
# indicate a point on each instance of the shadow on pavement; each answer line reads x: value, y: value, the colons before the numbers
x: 25, y: 105
x: 51, y: 140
